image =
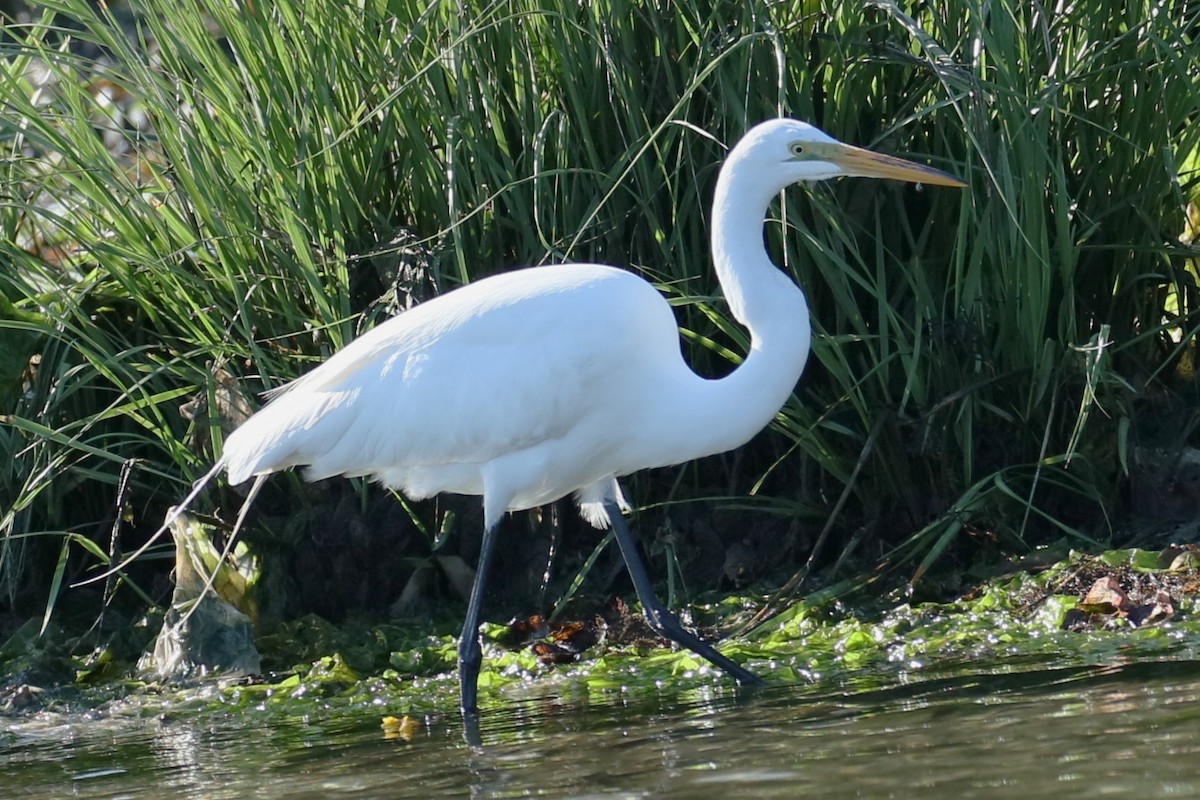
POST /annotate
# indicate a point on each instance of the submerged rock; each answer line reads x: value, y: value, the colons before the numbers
x: 203, y: 632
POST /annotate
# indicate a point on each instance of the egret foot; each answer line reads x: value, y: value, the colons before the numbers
x: 661, y: 620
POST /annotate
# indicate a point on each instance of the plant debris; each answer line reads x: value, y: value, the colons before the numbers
x: 1122, y: 587
x: 1106, y: 604
x: 558, y: 642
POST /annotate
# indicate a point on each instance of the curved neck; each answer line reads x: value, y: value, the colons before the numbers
x: 744, y: 270
x: 763, y: 299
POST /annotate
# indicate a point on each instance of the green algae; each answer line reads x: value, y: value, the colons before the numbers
x: 1010, y: 624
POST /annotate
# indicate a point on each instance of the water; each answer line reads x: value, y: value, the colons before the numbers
x: 1087, y: 732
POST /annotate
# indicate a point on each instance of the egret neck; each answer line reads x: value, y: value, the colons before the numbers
x: 765, y: 301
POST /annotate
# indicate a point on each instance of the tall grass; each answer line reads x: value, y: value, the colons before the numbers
x: 980, y: 355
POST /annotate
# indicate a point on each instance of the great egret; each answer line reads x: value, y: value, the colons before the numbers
x: 534, y: 384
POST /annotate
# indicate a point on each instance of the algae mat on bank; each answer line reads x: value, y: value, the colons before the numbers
x: 1120, y: 607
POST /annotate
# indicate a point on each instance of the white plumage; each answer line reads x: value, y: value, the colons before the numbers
x: 522, y: 388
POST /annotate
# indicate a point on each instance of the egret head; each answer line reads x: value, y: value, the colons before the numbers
x: 787, y: 151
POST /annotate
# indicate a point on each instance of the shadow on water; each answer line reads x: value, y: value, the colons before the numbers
x: 1122, y: 730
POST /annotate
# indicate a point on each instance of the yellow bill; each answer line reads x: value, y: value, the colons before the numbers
x: 856, y: 161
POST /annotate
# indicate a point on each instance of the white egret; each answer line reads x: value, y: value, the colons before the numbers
x: 535, y: 384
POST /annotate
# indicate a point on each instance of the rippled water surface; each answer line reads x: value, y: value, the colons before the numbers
x: 1131, y: 731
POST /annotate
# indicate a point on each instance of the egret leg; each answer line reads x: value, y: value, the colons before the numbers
x: 661, y: 620
x: 470, y: 649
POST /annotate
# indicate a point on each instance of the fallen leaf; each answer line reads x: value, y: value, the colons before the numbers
x: 405, y: 728
x: 1105, y: 597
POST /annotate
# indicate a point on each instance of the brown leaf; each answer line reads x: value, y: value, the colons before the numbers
x: 566, y: 640
x: 1106, y: 597
x: 580, y: 636
x: 532, y: 627
x: 552, y: 653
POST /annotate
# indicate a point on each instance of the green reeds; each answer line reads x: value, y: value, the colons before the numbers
x: 980, y: 354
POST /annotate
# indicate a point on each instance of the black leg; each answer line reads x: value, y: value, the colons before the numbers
x: 661, y: 620
x: 470, y: 651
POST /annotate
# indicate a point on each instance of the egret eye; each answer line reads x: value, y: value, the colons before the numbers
x: 797, y: 149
